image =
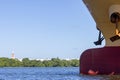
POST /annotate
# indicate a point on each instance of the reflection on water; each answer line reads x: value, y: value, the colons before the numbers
x: 50, y: 73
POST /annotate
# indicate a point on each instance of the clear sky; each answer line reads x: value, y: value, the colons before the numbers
x: 45, y: 28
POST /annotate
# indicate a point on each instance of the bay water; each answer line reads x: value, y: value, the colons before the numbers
x: 45, y: 73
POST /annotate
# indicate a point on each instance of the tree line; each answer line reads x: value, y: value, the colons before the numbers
x: 26, y: 62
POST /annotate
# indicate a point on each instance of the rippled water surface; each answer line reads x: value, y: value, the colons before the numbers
x: 49, y: 73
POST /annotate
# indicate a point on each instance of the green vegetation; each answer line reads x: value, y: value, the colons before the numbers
x: 54, y: 62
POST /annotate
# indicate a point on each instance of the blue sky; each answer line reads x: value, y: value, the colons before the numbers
x: 45, y: 28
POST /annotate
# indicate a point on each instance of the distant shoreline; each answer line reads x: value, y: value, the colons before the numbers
x: 26, y: 62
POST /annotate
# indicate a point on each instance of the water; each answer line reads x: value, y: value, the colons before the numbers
x: 42, y: 73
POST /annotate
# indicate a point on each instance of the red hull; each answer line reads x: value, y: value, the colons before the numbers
x: 103, y: 60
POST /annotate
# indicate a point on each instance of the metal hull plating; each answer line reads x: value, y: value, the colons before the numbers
x: 102, y: 60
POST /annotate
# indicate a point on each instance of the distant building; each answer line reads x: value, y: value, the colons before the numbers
x: 13, y: 55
